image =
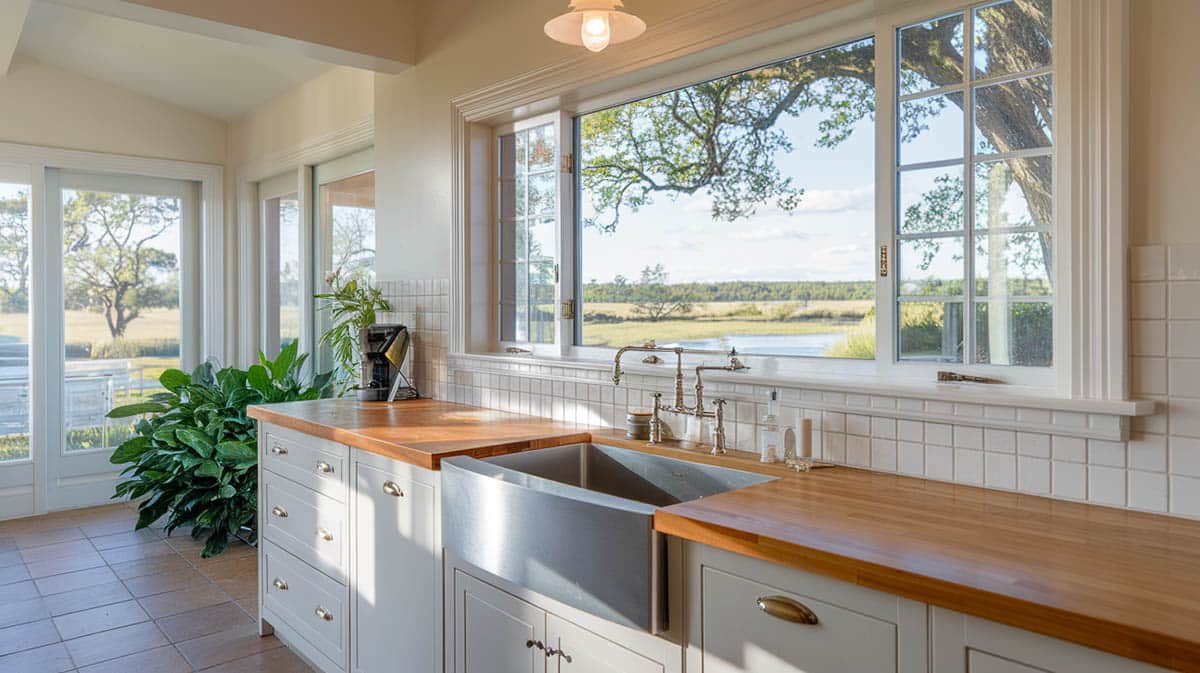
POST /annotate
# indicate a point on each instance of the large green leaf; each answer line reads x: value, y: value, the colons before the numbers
x: 283, y: 362
x: 130, y: 450
x: 236, y: 452
x: 197, y: 440
x: 260, y: 379
x: 174, y: 379
x: 209, y: 469
x: 130, y: 410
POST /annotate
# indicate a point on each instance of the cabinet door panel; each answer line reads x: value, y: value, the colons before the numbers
x: 495, y: 632
x: 585, y: 652
x: 395, y: 574
x: 739, y: 637
x: 982, y: 662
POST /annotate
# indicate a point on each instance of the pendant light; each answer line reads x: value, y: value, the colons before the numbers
x: 595, y: 24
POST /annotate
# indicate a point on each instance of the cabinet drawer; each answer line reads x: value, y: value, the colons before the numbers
x: 738, y: 635
x: 316, y: 463
x: 311, y: 526
x: 312, y: 604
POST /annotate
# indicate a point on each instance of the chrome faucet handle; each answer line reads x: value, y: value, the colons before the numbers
x: 719, y: 428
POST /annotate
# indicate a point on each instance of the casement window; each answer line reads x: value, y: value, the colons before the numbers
x: 885, y: 200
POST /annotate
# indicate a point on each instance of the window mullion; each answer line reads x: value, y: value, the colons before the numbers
x: 968, y: 309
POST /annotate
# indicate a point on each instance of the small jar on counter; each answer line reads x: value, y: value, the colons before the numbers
x: 637, y: 424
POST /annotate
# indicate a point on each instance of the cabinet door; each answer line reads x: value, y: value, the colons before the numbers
x: 982, y: 662
x: 577, y: 650
x: 395, y: 575
x: 495, y: 632
x: 740, y: 637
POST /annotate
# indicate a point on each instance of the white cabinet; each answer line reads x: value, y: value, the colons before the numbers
x: 495, y: 632
x: 965, y: 644
x: 574, y: 649
x: 396, y: 569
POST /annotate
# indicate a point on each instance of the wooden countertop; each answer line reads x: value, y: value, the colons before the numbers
x: 420, y: 432
x: 1115, y: 580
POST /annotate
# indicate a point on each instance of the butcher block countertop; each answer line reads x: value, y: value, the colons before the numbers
x: 1119, y: 581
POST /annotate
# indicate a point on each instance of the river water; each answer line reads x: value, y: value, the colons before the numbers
x: 770, y: 344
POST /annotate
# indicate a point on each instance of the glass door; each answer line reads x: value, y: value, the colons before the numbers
x: 16, y: 385
x: 283, y: 263
x: 130, y: 302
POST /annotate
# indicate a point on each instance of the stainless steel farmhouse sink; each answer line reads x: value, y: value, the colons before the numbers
x: 575, y: 522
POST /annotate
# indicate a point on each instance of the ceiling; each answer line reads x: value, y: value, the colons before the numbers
x: 208, y: 75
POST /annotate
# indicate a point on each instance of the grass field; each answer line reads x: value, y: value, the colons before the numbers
x: 86, y: 326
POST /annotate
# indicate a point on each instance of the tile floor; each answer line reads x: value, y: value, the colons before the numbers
x: 81, y: 591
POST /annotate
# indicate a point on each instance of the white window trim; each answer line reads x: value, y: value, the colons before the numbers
x: 1090, y: 65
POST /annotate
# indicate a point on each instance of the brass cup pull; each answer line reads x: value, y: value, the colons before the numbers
x: 324, y: 534
x: 782, y: 607
x: 323, y: 466
x: 279, y: 512
x: 280, y: 584
x: 392, y: 489
x: 279, y: 450
x: 324, y: 614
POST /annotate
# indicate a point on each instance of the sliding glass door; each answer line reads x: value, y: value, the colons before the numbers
x: 16, y: 466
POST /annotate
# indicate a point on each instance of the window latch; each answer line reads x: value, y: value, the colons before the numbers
x: 568, y: 309
x: 568, y: 163
x: 883, y: 261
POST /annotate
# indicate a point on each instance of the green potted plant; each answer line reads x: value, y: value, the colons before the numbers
x: 194, y: 454
x: 352, y: 307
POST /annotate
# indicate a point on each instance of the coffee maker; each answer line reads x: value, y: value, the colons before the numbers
x: 384, y: 348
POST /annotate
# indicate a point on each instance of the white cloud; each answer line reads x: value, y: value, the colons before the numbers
x: 769, y: 234
x: 837, y: 200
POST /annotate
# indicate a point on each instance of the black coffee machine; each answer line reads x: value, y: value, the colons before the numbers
x: 384, y: 349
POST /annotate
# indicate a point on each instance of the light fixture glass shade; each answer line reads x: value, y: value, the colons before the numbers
x: 595, y: 24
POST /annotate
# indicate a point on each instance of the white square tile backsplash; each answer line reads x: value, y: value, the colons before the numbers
x: 1025, y: 449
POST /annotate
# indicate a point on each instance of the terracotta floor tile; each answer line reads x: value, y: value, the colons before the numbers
x: 48, y: 659
x: 126, y: 539
x: 86, y: 598
x: 175, y: 602
x: 236, y: 550
x: 23, y: 612
x: 136, y: 552
x: 15, y: 573
x: 279, y: 660
x: 7, y: 543
x: 45, y: 537
x: 57, y: 550
x: 57, y: 584
x: 64, y: 564
x: 174, y: 580
x: 150, y: 566
x: 224, y: 646
x: 11, y: 557
x: 162, y: 660
x: 115, y: 643
x: 204, y: 621
x: 87, y: 622
x: 27, y: 636
x: 237, y: 577
x: 110, y: 526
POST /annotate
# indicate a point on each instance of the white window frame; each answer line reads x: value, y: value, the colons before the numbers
x: 284, y: 184
x: 1090, y: 132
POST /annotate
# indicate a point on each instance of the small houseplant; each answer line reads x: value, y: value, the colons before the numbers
x: 352, y: 307
x: 194, y: 454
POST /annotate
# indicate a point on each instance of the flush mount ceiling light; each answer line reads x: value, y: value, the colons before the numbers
x: 595, y: 24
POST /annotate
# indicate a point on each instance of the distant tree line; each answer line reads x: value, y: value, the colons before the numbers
x: 621, y: 290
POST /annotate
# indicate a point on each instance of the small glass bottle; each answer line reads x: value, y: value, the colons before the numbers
x: 770, y: 438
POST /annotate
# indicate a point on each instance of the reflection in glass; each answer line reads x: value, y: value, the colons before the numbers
x: 283, y: 229
x: 1012, y: 37
x: 1014, y: 193
x: 931, y: 267
x: 528, y: 202
x: 14, y: 322
x: 931, y: 55
x: 348, y: 213
x: 1013, y: 265
x: 1014, y: 333
x: 931, y: 200
x: 121, y: 307
x: 931, y: 129
x: 931, y: 331
x: 1013, y: 116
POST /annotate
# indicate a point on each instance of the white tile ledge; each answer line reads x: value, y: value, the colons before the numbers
x: 962, y: 393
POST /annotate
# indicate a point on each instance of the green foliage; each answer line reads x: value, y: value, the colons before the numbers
x: 621, y: 291
x: 122, y: 348
x: 657, y: 299
x: 351, y: 306
x: 194, y: 456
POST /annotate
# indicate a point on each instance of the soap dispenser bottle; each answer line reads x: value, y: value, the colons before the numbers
x: 770, y: 437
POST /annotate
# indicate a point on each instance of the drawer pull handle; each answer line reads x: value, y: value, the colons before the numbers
x: 782, y: 607
x: 323, y: 466
x: 279, y: 450
x: 324, y: 534
x: 392, y: 489
x: 324, y: 614
x: 552, y: 651
x: 280, y: 584
x: 279, y: 512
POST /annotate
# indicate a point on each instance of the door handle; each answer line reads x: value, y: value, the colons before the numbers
x: 279, y: 512
x: 280, y: 584
x: 782, y: 607
x: 392, y: 489
x: 323, y: 466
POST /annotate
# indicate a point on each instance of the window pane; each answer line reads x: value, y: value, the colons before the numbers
x: 1014, y: 193
x: 543, y: 194
x: 931, y: 267
x: 541, y: 145
x: 528, y: 234
x: 1014, y: 333
x: 14, y: 322
x: 771, y: 169
x: 931, y: 129
x: 1013, y: 116
x: 283, y: 221
x: 1013, y: 265
x: 1012, y: 37
x: 931, y: 331
x: 931, y: 200
x: 931, y: 54
x: 348, y: 212
x: 121, y: 313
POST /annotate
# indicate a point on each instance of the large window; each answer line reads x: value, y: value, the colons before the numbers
x: 738, y: 212
x: 283, y: 261
x: 975, y: 217
x: 15, y: 354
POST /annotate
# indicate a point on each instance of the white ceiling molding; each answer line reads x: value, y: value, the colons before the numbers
x: 12, y: 21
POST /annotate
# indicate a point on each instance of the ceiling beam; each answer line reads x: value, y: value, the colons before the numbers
x: 12, y: 22
x: 379, y: 35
